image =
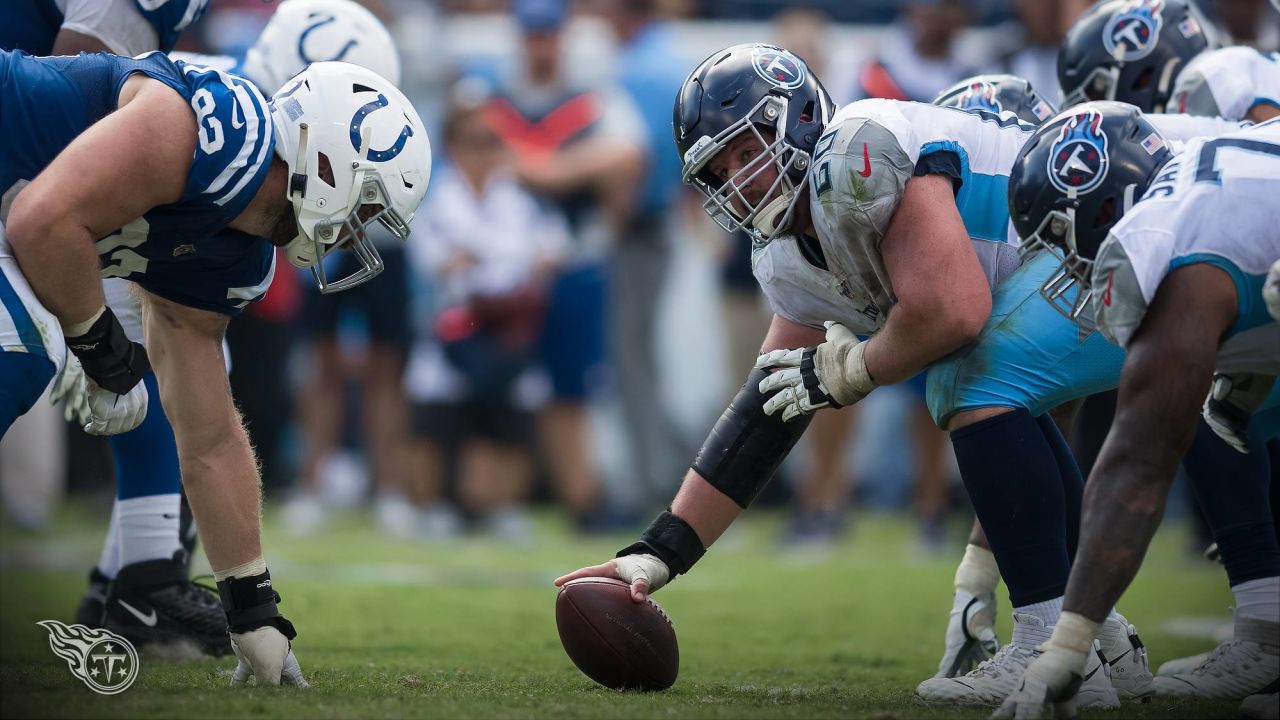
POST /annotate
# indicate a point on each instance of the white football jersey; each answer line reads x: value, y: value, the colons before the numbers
x: 862, y: 163
x: 1216, y: 203
x: 1227, y: 82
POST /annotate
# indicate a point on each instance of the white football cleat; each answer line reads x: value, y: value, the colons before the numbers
x: 971, y: 633
x: 1247, y: 665
x: 1126, y: 659
x: 1178, y: 666
x: 999, y: 676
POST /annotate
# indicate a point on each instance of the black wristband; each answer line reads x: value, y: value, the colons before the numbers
x: 108, y: 356
x: 672, y: 540
x: 251, y: 603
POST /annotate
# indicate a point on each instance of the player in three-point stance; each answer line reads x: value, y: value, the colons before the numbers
x: 181, y: 178
x: 1183, y: 291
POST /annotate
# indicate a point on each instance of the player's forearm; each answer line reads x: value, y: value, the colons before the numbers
x: 913, y: 339
x: 707, y: 510
x: 1125, y: 496
x: 61, y: 265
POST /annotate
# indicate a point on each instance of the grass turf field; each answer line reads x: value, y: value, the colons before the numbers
x: 392, y: 628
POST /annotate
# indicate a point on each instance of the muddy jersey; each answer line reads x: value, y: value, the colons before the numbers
x: 1215, y: 203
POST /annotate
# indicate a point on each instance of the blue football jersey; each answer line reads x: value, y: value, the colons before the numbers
x: 182, y: 251
x: 32, y: 25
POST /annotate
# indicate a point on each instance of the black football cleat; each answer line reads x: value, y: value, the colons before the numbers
x: 89, y: 611
x: 153, y: 603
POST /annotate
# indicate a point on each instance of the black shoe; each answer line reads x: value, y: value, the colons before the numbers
x: 89, y: 612
x: 154, y: 603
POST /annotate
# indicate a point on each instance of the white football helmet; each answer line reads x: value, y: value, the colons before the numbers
x: 305, y: 31
x: 356, y: 152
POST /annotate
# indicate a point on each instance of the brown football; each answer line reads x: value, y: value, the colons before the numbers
x: 614, y: 641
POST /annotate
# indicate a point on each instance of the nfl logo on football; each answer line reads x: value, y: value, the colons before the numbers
x: 102, y: 660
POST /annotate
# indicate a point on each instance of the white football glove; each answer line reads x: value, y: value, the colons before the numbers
x: 808, y: 379
x: 264, y: 653
x: 1049, y: 684
x: 1271, y: 290
x: 112, y: 414
x: 1230, y: 405
x: 971, y: 633
x: 69, y: 386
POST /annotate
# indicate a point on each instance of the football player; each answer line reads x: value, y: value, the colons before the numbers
x: 1154, y: 55
x: 1182, y: 291
x: 138, y: 574
x: 144, y: 561
x: 181, y: 178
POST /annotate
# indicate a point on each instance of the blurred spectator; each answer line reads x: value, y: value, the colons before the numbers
x: 1038, y: 34
x: 918, y: 59
x: 489, y: 250
x: 583, y: 148
x: 650, y: 69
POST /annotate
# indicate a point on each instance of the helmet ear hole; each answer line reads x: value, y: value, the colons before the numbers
x: 326, y: 170
x: 1106, y: 214
x: 1144, y: 79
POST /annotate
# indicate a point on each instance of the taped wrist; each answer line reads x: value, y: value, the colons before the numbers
x: 746, y: 446
x: 251, y: 603
x: 107, y: 355
x: 672, y: 540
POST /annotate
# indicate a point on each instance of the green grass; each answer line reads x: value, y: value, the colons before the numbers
x: 401, y: 629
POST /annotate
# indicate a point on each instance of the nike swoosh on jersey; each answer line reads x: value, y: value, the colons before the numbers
x: 148, y: 620
x: 866, y: 162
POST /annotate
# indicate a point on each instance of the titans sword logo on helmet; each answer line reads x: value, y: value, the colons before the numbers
x: 1078, y: 160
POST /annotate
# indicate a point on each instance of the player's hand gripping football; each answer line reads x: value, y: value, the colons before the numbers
x: 645, y: 573
x: 1049, y: 684
x: 805, y: 380
x: 265, y: 654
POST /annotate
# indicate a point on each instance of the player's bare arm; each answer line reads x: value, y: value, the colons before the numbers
x: 218, y: 468
x: 702, y: 504
x: 1155, y: 421
x: 99, y: 183
x: 943, y: 295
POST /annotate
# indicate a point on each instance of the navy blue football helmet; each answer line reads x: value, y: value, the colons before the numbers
x: 1073, y: 180
x: 753, y: 88
x: 1131, y: 51
x: 997, y: 94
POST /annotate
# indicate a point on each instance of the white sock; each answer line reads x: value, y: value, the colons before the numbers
x: 148, y: 528
x: 977, y: 572
x: 1258, y: 599
x: 109, y: 561
x: 1047, y: 611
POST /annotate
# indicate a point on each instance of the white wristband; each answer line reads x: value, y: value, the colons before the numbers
x: 1074, y: 632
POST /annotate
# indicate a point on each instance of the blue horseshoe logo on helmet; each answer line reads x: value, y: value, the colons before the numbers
x: 358, y: 119
x: 302, y: 42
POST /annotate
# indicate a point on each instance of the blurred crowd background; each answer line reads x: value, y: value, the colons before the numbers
x: 565, y: 323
